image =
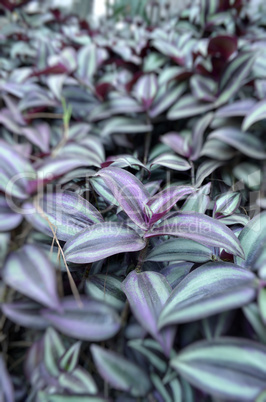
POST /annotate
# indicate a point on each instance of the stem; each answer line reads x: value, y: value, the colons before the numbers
x: 192, y: 173
x: 142, y: 256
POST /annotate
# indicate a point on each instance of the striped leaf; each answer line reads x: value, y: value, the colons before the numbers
x: 100, y: 241
x: 256, y: 113
x: 147, y: 292
x: 208, y: 290
x: 226, y: 368
x: 200, y: 228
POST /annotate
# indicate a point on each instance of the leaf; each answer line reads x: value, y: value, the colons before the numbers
x: 235, y: 109
x: 252, y: 314
x: 178, y: 143
x: 197, y: 135
x: 145, y: 89
x: 47, y: 397
x: 166, y: 99
x: 78, y: 381
x: 244, y: 142
x: 15, y: 172
x: 198, y: 201
x: 180, y: 250
x: 188, y: 106
x: 163, y: 201
x: 105, y: 288
x: 210, y: 289
x: 121, y: 373
x: 200, y: 228
x: 25, y: 314
x: 6, y: 386
x: 234, y: 75
x: 147, y: 292
x: 152, y: 357
x: 30, y: 272
x: 171, y: 161
x: 8, y: 219
x: 256, y: 113
x: 100, y: 241
x: 129, y: 192
x: 175, y: 273
x: 222, y: 46
x: 205, y: 169
x: 67, y: 212
x: 252, y: 239
x: 125, y: 125
x: 203, y: 88
x: 226, y: 368
x: 69, y: 360
x: 262, y: 303
x: 226, y: 204
x: 53, y: 350
x: 89, y: 321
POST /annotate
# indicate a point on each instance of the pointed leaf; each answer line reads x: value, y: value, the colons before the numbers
x: 89, y: 321
x: 256, y: 113
x: 252, y: 239
x: 147, y: 292
x: 246, y: 143
x: 210, y: 289
x: 128, y: 191
x: 30, y: 272
x: 121, y: 373
x: 171, y: 161
x: 67, y: 212
x: 188, y: 106
x: 226, y: 368
x: 200, y: 228
x: 180, y: 250
x: 163, y: 201
x: 100, y: 241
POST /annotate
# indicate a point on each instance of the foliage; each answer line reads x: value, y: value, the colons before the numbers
x: 131, y: 206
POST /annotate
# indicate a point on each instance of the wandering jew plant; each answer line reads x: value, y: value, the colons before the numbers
x: 132, y: 204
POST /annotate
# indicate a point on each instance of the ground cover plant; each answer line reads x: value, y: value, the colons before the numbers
x: 132, y: 197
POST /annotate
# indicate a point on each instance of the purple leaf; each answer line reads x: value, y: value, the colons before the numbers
x: 226, y: 204
x: 222, y: 46
x: 147, y: 292
x: 171, y: 161
x: 244, y: 142
x: 145, y: 89
x: 178, y: 143
x: 25, y: 314
x: 205, y: 169
x: 235, y: 109
x: 208, y: 290
x: 197, y: 135
x: 6, y: 386
x: 200, y: 228
x: 227, y: 368
x: 38, y: 135
x: 8, y: 219
x: 233, y: 77
x: 125, y: 125
x: 252, y: 239
x: 120, y: 372
x: 90, y: 321
x: 256, y: 113
x: 188, y: 106
x: 162, y: 202
x: 102, y: 240
x: 16, y: 172
x: 203, y: 88
x: 180, y: 250
x: 129, y: 192
x: 30, y: 272
x: 165, y: 100
x: 67, y: 212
